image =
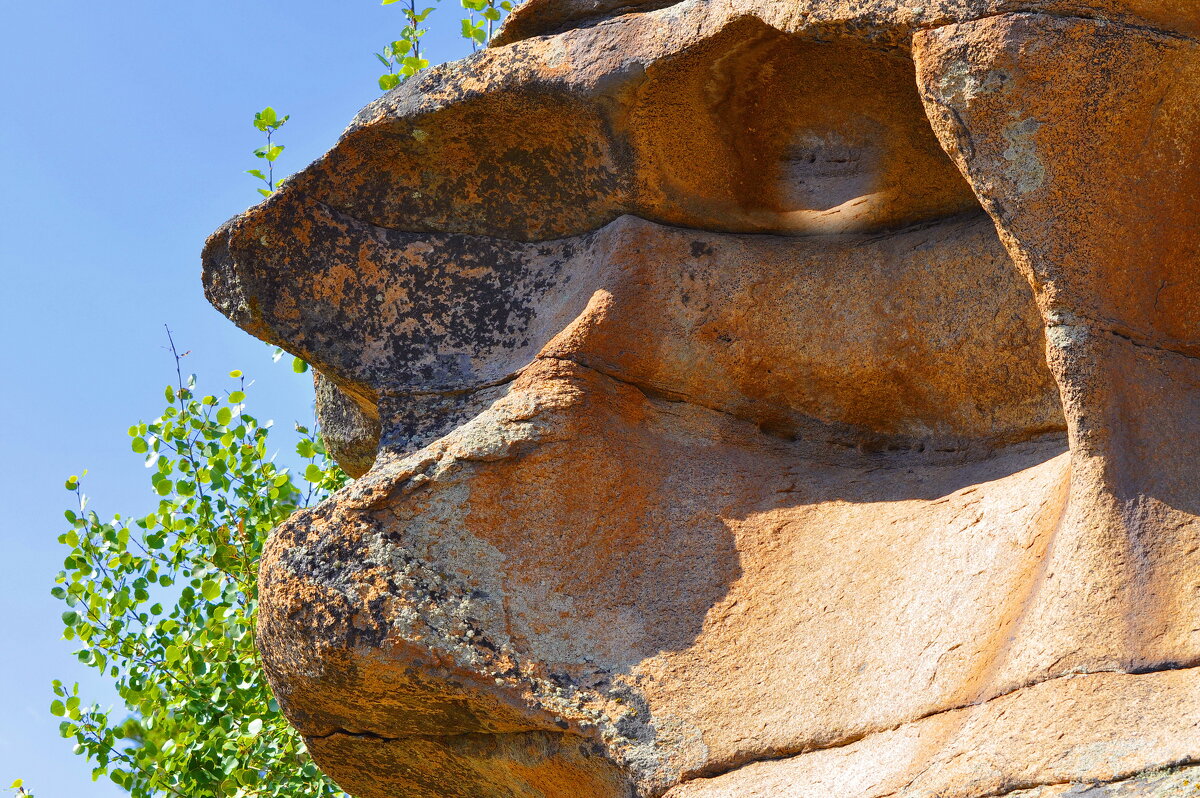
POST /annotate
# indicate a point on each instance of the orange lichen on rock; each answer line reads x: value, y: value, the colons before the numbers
x: 751, y: 399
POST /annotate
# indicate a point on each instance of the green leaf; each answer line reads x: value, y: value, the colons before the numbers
x: 265, y: 192
x: 210, y: 590
x: 172, y: 654
x: 388, y: 82
x: 256, y: 173
x: 299, y: 365
x: 16, y: 785
x: 70, y: 618
x: 139, y: 445
x: 224, y: 416
x: 57, y: 708
x: 314, y: 473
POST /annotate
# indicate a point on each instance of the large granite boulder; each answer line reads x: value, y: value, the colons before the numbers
x: 751, y: 399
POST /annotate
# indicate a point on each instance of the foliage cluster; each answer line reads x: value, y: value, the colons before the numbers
x: 402, y: 57
x: 163, y: 606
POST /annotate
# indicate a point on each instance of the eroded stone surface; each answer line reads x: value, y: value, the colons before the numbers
x: 1095, y: 189
x: 1161, y: 783
x: 773, y: 399
x: 1069, y: 734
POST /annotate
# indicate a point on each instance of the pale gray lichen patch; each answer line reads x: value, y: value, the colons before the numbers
x: 960, y: 83
x: 1024, y: 168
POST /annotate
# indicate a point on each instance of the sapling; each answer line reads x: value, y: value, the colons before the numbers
x: 268, y: 121
x: 403, y: 56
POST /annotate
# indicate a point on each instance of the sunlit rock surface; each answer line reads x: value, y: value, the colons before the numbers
x: 751, y: 399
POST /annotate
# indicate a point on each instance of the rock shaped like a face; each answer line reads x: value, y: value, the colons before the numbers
x: 770, y: 400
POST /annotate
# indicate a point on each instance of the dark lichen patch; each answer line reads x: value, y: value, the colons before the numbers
x: 416, y: 420
x: 393, y: 312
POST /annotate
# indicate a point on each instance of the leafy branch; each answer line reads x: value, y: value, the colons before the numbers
x: 268, y: 121
x: 480, y: 31
x: 403, y: 56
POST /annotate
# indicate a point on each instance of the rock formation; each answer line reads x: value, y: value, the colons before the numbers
x: 751, y: 398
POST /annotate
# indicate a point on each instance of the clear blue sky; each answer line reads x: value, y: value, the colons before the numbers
x: 124, y: 134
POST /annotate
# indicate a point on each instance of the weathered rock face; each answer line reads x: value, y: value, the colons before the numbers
x: 751, y: 399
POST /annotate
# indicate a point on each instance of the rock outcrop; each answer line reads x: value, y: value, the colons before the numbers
x: 751, y: 399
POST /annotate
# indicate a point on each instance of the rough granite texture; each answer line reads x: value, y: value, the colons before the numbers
x: 751, y: 399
